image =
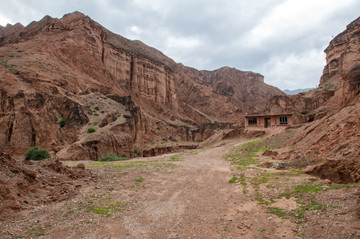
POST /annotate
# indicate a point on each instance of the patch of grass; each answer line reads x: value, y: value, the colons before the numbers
x: 295, y: 170
x: 99, y: 210
x: 244, y: 155
x: 276, y: 211
x: 286, y: 195
x: 262, y: 178
x: 112, y: 157
x: 98, y: 204
x: 299, y: 213
x: 139, y: 180
x: 91, y: 130
x: 175, y: 157
x: 243, y: 183
x: 36, y: 153
x: 340, y: 186
x: 234, y: 180
x: 135, y: 165
x: 262, y: 201
x: 308, y: 188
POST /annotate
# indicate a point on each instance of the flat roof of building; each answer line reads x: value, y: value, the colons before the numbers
x: 267, y: 115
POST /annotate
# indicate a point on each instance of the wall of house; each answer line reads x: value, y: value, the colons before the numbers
x: 274, y: 121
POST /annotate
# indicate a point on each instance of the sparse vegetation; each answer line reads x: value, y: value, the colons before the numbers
x: 112, y: 157
x: 36, y: 154
x: 62, y: 122
x: 139, y: 180
x: 98, y: 204
x: 4, y: 62
x: 91, y: 130
x: 276, y: 211
x: 35, y: 230
x: 326, y: 86
x: 175, y: 157
x: 137, y: 151
x: 96, y: 122
x: 245, y: 155
x: 234, y: 180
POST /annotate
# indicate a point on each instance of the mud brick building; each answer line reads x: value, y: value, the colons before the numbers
x: 268, y: 120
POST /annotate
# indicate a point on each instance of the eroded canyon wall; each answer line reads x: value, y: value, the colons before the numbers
x: 131, y: 94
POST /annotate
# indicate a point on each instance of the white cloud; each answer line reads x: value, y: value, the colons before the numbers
x: 134, y: 32
x: 295, y: 70
x: 4, y: 21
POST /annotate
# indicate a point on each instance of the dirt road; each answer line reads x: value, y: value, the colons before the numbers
x: 184, y: 195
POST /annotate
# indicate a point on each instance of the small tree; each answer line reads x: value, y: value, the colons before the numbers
x: 36, y: 153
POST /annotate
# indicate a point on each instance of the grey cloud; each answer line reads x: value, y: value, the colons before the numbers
x: 211, y: 34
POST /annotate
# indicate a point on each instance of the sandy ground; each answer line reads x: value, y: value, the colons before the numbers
x: 188, y: 195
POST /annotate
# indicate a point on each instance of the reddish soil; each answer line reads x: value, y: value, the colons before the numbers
x: 25, y: 185
x: 188, y: 195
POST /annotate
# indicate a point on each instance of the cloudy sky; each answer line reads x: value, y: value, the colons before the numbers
x: 280, y: 39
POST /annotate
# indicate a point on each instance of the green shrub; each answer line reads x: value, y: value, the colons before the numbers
x: 304, y: 112
x: 91, y: 130
x: 112, y: 157
x: 36, y: 153
x: 62, y: 122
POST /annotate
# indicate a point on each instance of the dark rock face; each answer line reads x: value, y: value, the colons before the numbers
x: 131, y: 94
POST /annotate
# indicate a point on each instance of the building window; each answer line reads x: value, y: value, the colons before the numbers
x: 283, y: 120
x: 252, y: 121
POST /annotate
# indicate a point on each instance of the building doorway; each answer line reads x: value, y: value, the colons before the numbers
x: 267, y: 122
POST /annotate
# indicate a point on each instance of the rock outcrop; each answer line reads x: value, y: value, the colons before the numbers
x: 338, y: 86
x: 342, y: 54
x: 131, y: 94
x: 334, y: 138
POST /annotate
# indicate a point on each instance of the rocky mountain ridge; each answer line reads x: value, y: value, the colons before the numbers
x: 134, y: 96
x: 332, y: 137
x: 297, y: 91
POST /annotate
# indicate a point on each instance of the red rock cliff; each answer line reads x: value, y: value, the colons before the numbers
x: 130, y: 93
